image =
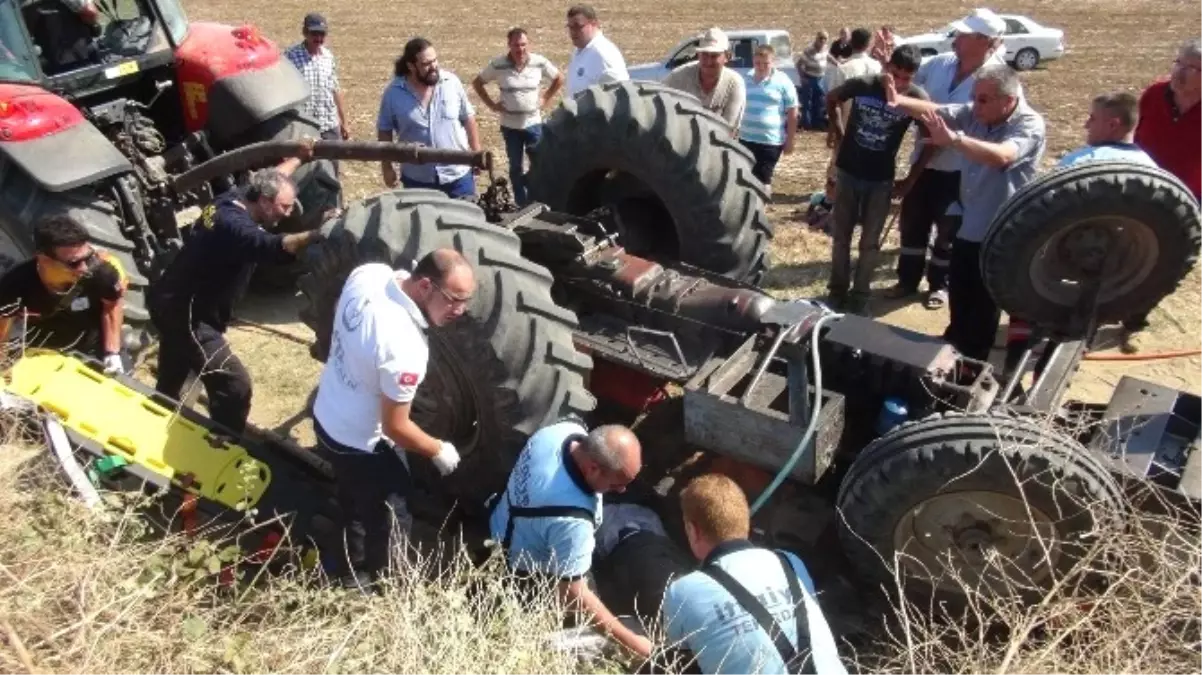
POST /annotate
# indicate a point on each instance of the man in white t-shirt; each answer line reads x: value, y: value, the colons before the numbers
x: 596, y: 60
x: 378, y: 356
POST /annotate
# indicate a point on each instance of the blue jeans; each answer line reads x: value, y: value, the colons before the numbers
x: 464, y: 186
x: 517, y: 143
x: 812, y: 101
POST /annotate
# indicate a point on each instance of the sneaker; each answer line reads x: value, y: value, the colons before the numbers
x: 898, y: 292
x: 936, y: 299
x: 1133, y: 342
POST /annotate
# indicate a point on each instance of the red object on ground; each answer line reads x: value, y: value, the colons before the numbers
x: 614, y: 383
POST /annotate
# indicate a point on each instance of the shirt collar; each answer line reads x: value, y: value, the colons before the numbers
x: 569, y: 464
x: 397, y: 295
x: 1116, y: 144
x: 726, y: 548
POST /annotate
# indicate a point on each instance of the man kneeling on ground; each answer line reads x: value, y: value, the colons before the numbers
x: 69, y: 294
x: 747, y: 609
x: 546, y: 518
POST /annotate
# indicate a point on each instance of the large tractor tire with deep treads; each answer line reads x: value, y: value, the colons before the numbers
x: 318, y: 186
x: 955, y: 502
x: 496, y: 375
x: 23, y: 203
x: 1056, y: 231
x: 681, y: 187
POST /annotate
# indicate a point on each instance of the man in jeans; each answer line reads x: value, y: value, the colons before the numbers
x: 811, y: 65
x: 519, y: 74
x: 770, y: 123
x: 1001, y: 140
x: 864, y: 169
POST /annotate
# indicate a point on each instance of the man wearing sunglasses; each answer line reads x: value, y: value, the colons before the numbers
x: 361, y: 414
x: 69, y: 294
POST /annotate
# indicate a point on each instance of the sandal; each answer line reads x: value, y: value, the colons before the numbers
x: 936, y: 299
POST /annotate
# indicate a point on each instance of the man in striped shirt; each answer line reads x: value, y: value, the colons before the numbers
x: 770, y: 120
x: 519, y: 75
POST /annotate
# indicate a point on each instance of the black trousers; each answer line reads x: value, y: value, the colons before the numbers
x: 924, y: 206
x: 974, y: 315
x: 766, y: 157
x: 373, y: 490
x: 187, y: 347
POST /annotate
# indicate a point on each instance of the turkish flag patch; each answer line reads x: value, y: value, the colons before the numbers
x: 407, y: 379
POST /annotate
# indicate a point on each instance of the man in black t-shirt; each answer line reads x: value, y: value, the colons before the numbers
x: 865, y: 166
x: 69, y: 294
x: 192, y: 302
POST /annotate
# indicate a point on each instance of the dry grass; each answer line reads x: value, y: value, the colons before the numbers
x: 97, y: 592
x: 1130, y: 605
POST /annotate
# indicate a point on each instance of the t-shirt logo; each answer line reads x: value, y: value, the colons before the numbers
x: 407, y: 379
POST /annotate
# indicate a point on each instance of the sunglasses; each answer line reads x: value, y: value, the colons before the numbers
x: 81, y: 262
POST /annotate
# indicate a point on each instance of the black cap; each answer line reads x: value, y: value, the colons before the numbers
x: 315, y: 22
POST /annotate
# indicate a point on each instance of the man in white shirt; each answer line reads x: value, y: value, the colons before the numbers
x: 596, y: 60
x: 378, y: 357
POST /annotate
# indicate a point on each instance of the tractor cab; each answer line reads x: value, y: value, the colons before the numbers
x: 83, y: 45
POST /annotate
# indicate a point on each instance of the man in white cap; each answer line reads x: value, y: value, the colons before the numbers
x: 720, y: 89
x: 928, y: 192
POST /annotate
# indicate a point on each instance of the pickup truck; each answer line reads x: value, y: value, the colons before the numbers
x: 743, y: 44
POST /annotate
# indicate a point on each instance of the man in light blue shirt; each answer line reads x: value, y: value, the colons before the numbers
x: 547, y: 516
x: 1110, y: 132
x: 428, y: 107
x: 747, y: 609
x: 769, y: 124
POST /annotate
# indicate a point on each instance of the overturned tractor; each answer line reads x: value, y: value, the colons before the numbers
x: 635, y: 272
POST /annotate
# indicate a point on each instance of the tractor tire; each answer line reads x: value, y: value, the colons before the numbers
x: 1051, y: 231
x: 684, y: 187
x: 318, y: 189
x: 23, y: 202
x: 502, y: 371
x: 947, y: 484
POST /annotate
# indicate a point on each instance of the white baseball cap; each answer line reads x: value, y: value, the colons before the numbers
x: 713, y: 41
x: 981, y: 21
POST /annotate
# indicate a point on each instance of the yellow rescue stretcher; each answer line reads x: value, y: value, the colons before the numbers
x: 159, y: 441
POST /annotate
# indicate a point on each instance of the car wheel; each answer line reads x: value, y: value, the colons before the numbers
x: 1026, y: 59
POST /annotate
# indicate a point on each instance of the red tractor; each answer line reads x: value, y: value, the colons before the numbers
x: 98, y: 119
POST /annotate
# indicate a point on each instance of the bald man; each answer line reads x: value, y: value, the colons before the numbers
x: 378, y: 357
x: 547, y: 516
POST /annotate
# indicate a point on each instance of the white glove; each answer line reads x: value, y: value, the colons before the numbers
x: 447, y: 459
x: 113, y: 365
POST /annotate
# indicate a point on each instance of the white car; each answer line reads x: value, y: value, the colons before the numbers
x: 1027, y: 43
x: 743, y: 44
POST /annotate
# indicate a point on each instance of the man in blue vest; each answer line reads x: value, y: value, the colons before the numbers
x: 747, y: 609
x: 547, y: 516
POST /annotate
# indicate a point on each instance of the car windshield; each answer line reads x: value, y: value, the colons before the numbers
x: 66, y: 41
x: 782, y: 46
x: 17, y: 63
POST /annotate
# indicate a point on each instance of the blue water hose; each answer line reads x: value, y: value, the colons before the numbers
x: 809, y: 432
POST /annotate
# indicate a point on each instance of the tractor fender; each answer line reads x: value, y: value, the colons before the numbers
x: 235, y: 70
x: 48, y: 138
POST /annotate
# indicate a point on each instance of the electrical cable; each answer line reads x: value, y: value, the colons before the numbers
x: 813, y: 425
x: 1142, y: 357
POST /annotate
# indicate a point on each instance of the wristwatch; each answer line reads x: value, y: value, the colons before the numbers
x: 958, y: 138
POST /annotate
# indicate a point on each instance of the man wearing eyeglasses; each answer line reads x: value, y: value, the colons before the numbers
x: 69, y: 294
x: 1170, y: 114
x: 377, y: 361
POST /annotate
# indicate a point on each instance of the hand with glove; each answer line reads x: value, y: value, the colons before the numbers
x: 113, y: 365
x: 447, y: 458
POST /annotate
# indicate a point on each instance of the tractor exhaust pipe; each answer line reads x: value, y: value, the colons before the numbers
x: 268, y: 153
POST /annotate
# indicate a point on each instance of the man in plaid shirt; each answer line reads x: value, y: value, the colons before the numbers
x: 316, y: 63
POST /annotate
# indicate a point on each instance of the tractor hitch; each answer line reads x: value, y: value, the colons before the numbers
x: 258, y: 155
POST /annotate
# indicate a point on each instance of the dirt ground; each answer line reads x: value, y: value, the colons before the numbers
x: 1113, y: 46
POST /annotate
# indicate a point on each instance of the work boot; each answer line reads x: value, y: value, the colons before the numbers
x: 1133, y: 342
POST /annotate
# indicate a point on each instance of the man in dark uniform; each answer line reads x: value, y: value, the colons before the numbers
x: 69, y: 294
x: 191, y: 304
